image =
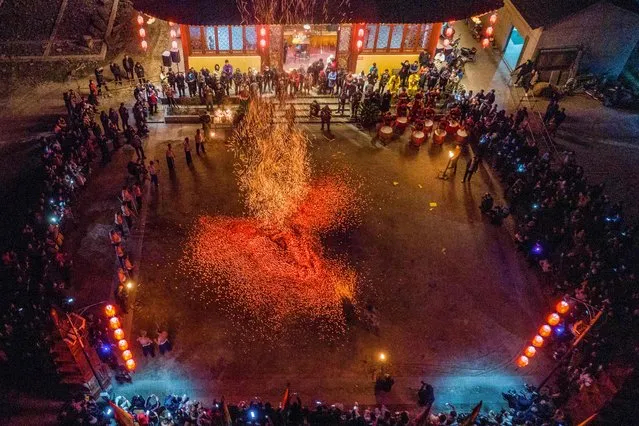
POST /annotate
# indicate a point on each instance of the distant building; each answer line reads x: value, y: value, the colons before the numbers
x: 564, y: 37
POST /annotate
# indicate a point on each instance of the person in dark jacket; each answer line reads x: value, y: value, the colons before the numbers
x: 124, y: 116
x: 117, y: 73
x: 139, y: 72
x: 128, y: 64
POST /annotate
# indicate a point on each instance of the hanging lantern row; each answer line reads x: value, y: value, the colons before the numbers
x: 490, y: 30
x: 142, y: 33
x: 359, y: 40
x: 118, y: 334
x: 263, y: 37
x: 544, y: 331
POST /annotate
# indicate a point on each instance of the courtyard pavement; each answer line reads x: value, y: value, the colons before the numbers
x: 456, y: 302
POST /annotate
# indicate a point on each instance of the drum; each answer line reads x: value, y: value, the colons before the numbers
x: 401, y: 123
x: 428, y: 126
x: 417, y: 138
x: 439, y: 136
x: 452, y: 127
x: 461, y: 136
x: 385, y: 133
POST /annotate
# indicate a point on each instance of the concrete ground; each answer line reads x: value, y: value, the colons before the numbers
x: 456, y: 302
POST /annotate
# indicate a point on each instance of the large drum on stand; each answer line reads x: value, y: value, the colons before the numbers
x: 400, y: 124
x: 417, y: 137
x: 428, y: 126
x: 439, y: 136
x: 453, y: 126
x: 385, y: 133
x: 461, y: 136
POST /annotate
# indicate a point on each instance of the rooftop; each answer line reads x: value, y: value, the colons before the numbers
x: 228, y: 12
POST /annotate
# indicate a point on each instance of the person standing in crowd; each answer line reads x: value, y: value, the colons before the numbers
x: 325, y: 115
x: 187, y: 152
x: 153, y: 172
x: 524, y: 69
x: 170, y: 158
x: 181, y: 84
x: 114, y: 117
x: 139, y: 72
x: 199, y: 142
x: 191, y: 82
x: 471, y: 168
x: 551, y: 110
x: 147, y: 344
x: 137, y: 193
x: 342, y: 102
x: 128, y: 65
x: 355, y: 101
x: 403, y: 73
x: 127, y: 213
x: 136, y: 143
x: 117, y: 73
x: 118, y: 223
x: 560, y: 117
x: 164, y: 345
x: 124, y: 116
x: 383, y: 81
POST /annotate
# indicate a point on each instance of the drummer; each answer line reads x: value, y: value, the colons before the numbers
x: 455, y: 112
x: 403, y: 96
x: 388, y: 119
x: 402, y: 109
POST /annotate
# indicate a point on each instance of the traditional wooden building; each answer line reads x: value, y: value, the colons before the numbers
x: 356, y: 33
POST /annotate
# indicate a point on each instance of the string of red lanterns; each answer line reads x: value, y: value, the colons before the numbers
x: 118, y: 335
x: 142, y: 33
x: 544, y: 331
x: 490, y: 30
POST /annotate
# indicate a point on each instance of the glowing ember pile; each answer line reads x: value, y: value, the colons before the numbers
x: 271, y: 266
x: 278, y: 275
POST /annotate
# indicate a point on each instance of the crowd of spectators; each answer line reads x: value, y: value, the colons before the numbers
x: 37, y: 269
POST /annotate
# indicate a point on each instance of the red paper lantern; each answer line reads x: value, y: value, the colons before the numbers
x: 123, y: 345
x: 130, y: 365
x: 109, y: 310
x: 538, y: 341
x: 449, y: 32
x: 142, y: 32
x: 522, y: 361
x: 492, y: 19
x: 489, y: 31
x: 545, y: 330
x: 140, y: 20
x: 263, y: 43
x: 262, y: 31
x: 118, y: 333
x: 171, y: 24
x: 553, y: 319
x: 174, y: 44
x: 485, y: 43
x: 562, y: 307
x: 360, y: 33
x: 114, y: 323
x: 173, y: 33
x: 446, y: 42
x: 144, y: 44
x: 530, y: 351
x: 127, y: 355
x: 359, y: 44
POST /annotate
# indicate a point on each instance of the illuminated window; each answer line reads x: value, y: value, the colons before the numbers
x: 426, y: 29
x: 411, y: 40
x: 195, y: 34
x: 251, y: 38
x: 223, y: 38
x: 370, y: 41
x: 382, y: 37
x: 210, y: 38
x: 396, y: 37
x: 238, y: 38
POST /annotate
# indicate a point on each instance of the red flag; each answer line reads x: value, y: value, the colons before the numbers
x: 473, y: 416
x: 122, y: 418
x: 285, y: 398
